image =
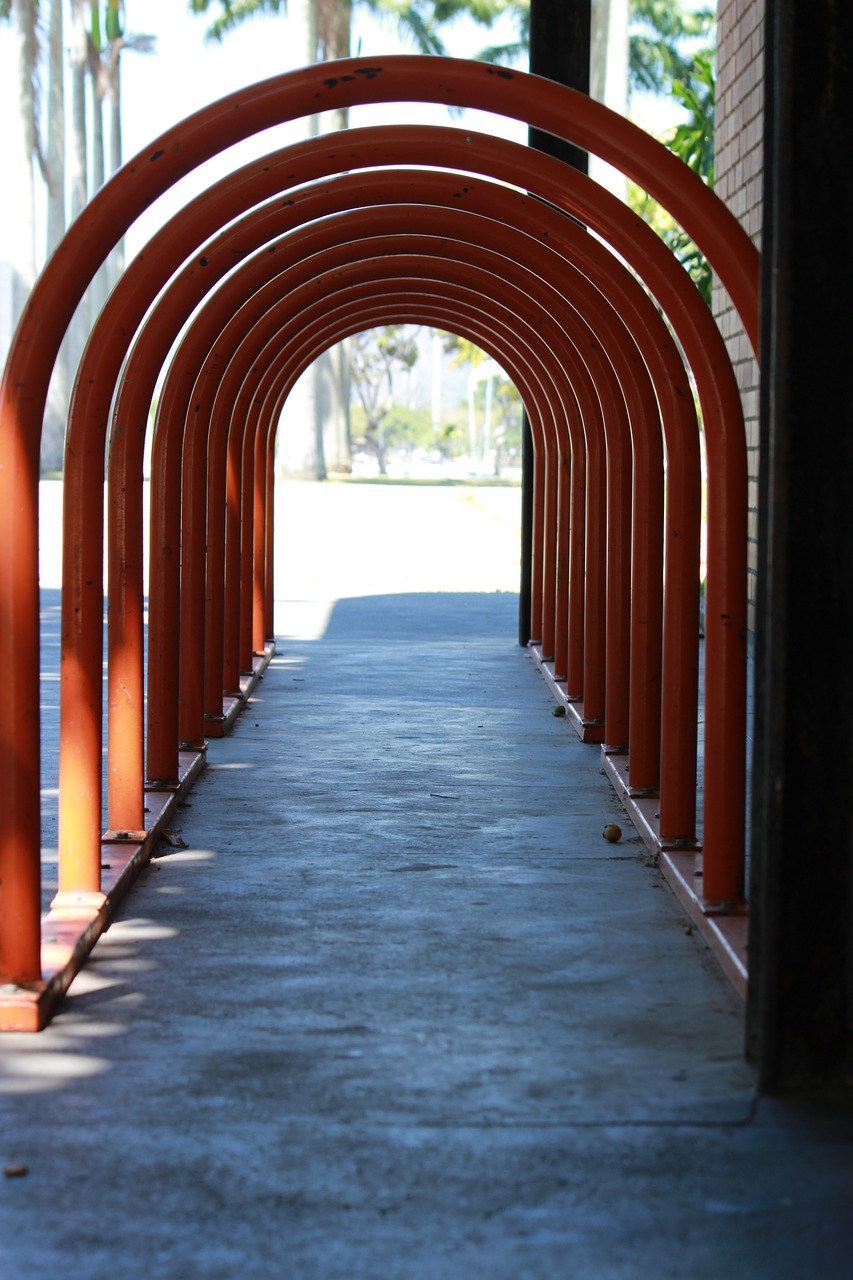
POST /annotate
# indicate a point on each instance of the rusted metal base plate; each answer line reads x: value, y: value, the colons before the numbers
x: 70, y: 931
x: 587, y: 730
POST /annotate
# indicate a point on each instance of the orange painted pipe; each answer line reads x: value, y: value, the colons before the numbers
x: 652, y: 401
x: 247, y: 531
x: 262, y: 513
x: 200, y: 403
x: 215, y: 536
x: 275, y: 325
x: 24, y: 386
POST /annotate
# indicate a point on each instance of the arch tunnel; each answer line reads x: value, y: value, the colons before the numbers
x: 592, y: 317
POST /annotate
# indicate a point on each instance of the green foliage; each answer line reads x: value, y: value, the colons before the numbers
x: 379, y: 353
x: 658, y: 31
x: 505, y: 413
x: 417, y: 21
x: 407, y: 430
x: 693, y: 140
x: 514, y: 51
x: 375, y: 357
x: 105, y: 25
x: 232, y: 13
x: 114, y: 17
x: 659, y: 64
x: 679, y: 243
x: 462, y: 350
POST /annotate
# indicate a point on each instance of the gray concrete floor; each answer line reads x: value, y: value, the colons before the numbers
x: 398, y: 1010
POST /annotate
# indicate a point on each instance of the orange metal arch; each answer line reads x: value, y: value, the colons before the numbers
x: 235, y: 287
x: 410, y: 215
x: 24, y: 385
x: 676, y: 755
x: 533, y: 380
x: 226, y: 305
x: 241, y: 291
x: 682, y: 390
x: 119, y: 645
x: 124, y: 437
x: 316, y: 289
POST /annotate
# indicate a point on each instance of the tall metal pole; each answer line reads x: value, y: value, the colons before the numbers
x: 800, y: 1012
x: 559, y: 50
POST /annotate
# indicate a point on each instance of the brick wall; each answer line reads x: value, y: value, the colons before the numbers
x: 739, y: 141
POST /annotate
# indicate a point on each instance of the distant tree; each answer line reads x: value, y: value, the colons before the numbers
x: 375, y: 357
x: 108, y: 39
x: 28, y: 156
x: 54, y: 149
x: 693, y: 142
x: 502, y: 433
x: 659, y: 31
x: 419, y: 22
x: 693, y: 139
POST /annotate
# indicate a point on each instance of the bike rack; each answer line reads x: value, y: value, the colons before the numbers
x: 332, y: 236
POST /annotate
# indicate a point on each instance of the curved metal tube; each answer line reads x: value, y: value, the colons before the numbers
x: 33, y: 353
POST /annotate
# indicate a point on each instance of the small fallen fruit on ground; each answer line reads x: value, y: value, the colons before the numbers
x: 15, y: 1171
x: 559, y: 710
x: 612, y: 833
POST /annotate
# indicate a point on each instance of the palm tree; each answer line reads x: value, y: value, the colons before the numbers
x: 31, y: 163
x: 96, y: 39
x: 418, y: 21
x: 657, y: 31
x: 27, y: 154
x: 107, y: 39
x: 659, y: 63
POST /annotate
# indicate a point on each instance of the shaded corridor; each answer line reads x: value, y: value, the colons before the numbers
x: 397, y: 1010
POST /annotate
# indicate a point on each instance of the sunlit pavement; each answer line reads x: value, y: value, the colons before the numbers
x: 390, y: 1006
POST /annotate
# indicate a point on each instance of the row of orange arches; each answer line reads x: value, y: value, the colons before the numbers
x: 483, y: 237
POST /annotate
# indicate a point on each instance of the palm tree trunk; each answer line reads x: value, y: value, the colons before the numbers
x: 77, y: 156
x: 57, y: 402
x: 101, y: 283
x: 23, y: 146
x: 114, y: 93
x: 608, y: 78
x: 55, y: 142
x: 79, y: 159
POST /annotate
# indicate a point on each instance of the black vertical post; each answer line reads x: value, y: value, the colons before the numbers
x: 559, y: 50
x: 799, y: 1023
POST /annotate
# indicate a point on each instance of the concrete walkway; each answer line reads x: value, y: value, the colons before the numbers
x: 398, y: 1010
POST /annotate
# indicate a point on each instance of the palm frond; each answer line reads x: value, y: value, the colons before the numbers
x: 234, y: 13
